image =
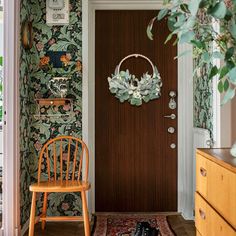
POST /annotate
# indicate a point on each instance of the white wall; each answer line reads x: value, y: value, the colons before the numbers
x: 1, y: 33
x: 225, y: 123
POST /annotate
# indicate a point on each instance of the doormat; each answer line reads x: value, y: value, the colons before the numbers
x: 125, y: 225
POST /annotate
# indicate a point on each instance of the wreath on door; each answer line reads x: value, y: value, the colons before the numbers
x: 127, y: 87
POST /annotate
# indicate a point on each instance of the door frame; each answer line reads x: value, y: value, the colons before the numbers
x: 185, y: 99
x: 11, y: 153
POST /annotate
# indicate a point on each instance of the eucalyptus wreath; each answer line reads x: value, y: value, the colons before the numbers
x: 128, y: 87
x: 214, y: 40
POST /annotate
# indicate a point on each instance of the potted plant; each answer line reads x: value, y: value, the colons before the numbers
x: 209, y: 42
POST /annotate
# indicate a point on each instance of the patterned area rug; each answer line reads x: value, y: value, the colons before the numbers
x: 124, y: 225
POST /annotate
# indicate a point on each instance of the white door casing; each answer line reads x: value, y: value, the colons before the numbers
x: 185, y: 99
x: 11, y: 160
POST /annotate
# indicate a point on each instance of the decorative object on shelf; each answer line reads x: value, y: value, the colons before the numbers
x: 27, y: 34
x: 127, y: 87
x: 60, y: 68
x: 212, y: 41
x: 58, y: 86
x: 58, y: 64
x: 57, y: 12
x: 42, y: 102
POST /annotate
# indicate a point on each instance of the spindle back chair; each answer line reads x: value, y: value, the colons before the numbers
x: 60, y: 169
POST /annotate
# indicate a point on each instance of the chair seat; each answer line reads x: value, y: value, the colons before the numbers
x: 60, y: 186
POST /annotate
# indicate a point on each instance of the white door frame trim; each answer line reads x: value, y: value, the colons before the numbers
x: 185, y: 99
x: 11, y: 162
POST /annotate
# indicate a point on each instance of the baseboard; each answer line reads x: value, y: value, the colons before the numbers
x: 24, y: 228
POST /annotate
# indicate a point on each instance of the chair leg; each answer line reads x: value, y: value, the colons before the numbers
x: 32, y: 215
x: 85, y: 214
x: 44, y: 213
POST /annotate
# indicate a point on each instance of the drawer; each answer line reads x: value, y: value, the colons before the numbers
x: 201, y: 175
x: 221, y: 194
x: 197, y: 233
x: 208, y: 222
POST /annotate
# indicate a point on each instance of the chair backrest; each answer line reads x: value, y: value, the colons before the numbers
x: 62, y: 159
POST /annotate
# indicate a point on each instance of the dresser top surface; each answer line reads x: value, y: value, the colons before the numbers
x: 221, y: 156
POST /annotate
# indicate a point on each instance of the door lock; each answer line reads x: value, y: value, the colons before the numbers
x: 172, y: 116
x: 172, y: 102
x: 171, y: 130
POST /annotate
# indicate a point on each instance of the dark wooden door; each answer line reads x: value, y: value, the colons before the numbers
x: 136, y: 170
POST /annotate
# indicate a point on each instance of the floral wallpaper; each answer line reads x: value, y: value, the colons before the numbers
x: 34, y: 79
x: 203, y: 90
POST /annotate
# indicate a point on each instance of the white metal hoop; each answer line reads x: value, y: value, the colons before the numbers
x: 136, y: 55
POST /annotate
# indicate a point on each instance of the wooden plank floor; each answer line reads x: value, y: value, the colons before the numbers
x: 180, y: 226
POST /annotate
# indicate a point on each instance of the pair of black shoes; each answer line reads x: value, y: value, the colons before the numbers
x: 144, y: 229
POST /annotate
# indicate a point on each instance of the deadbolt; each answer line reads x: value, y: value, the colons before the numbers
x: 172, y: 102
x: 173, y: 146
x: 171, y: 130
x: 172, y: 94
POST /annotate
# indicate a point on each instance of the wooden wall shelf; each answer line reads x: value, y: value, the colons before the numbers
x: 53, y: 102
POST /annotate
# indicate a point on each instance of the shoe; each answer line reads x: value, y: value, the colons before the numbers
x: 139, y: 229
x: 144, y: 229
x: 150, y: 231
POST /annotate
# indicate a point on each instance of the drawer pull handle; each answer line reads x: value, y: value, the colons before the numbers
x: 203, y: 172
x: 202, y: 214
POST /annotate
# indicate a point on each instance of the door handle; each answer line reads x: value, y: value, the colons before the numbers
x: 172, y: 116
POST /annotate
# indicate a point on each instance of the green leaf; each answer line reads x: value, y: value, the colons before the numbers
x: 230, y: 65
x: 149, y: 28
x: 223, y: 72
x: 180, y: 21
x: 193, y: 6
x: 1, y: 61
x: 228, y: 96
x: 228, y: 15
x: 162, y: 13
x: 226, y: 85
x: 169, y: 38
x: 229, y: 53
x: 232, y: 30
x: 184, y: 8
x: 187, y: 37
x: 219, y: 10
x: 197, y: 43
x: 214, y: 72
x: 232, y: 75
x: 203, y: 3
x: 171, y: 23
x: 221, y: 87
x: 206, y: 57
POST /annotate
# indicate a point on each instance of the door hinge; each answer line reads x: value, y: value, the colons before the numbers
x: 193, y: 212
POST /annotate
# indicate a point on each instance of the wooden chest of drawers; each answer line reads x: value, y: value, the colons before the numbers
x: 215, y: 198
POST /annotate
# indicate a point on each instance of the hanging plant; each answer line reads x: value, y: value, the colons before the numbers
x: 209, y: 42
x: 128, y: 87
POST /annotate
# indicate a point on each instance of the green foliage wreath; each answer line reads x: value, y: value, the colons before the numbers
x: 127, y: 87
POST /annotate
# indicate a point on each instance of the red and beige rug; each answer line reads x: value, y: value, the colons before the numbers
x: 124, y: 225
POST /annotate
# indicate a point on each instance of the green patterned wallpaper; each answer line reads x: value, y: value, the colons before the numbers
x: 33, y: 84
x: 202, y: 95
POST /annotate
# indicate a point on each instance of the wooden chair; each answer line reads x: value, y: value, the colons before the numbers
x: 63, y: 159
